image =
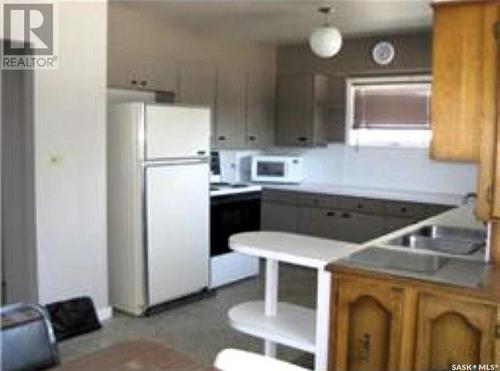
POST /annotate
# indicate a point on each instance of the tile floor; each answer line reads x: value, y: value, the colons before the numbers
x: 200, y: 329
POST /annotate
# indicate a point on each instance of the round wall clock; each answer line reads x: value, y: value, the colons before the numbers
x: 383, y: 53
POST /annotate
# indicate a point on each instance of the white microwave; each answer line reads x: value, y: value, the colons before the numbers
x: 277, y: 169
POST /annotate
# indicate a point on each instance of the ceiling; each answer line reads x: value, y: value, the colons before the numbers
x: 287, y: 21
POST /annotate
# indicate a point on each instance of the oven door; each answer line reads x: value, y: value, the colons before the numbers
x: 232, y: 214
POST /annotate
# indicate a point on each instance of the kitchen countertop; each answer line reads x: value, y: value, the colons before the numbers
x: 471, y: 272
x: 462, y: 217
x: 225, y: 190
x: 306, y: 251
x: 439, y: 269
x: 486, y: 286
x: 371, y: 192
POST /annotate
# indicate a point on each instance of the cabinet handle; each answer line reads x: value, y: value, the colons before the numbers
x: 302, y: 139
x: 201, y: 153
x: 221, y: 138
x: 346, y: 215
x: 251, y: 137
x: 133, y: 82
x: 144, y: 83
x: 330, y: 213
x: 497, y: 331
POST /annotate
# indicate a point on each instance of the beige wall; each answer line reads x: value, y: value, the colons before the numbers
x: 413, y: 55
x: 134, y: 32
x: 70, y: 119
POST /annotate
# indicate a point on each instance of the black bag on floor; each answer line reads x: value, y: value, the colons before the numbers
x: 73, y: 317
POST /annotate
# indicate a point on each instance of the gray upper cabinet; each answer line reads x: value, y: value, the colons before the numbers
x: 260, y: 110
x: 230, y: 111
x: 197, y: 86
x: 301, y: 110
x: 142, y: 71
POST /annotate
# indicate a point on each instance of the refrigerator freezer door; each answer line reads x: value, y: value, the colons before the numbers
x: 176, y: 132
x: 177, y: 225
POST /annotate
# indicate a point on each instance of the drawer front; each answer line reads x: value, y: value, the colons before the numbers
x: 362, y: 205
x: 317, y: 200
x: 405, y: 209
x: 274, y: 195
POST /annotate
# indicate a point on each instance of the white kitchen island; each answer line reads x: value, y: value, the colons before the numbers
x: 286, y: 323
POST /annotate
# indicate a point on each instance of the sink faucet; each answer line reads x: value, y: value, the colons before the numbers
x: 467, y: 197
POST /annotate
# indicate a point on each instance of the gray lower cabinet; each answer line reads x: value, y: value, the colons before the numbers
x: 230, y: 111
x: 341, y: 218
x: 279, y: 217
x: 359, y: 227
x: 393, y: 223
x: 340, y: 224
x: 318, y: 222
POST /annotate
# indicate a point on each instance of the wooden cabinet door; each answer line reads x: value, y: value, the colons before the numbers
x: 462, y: 91
x: 451, y: 331
x: 294, y: 107
x: 369, y: 326
x: 279, y: 217
x: 260, y: 110
x: 197, y: 87
x: 230, y: 111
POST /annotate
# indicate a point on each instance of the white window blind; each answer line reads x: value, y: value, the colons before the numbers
x: 389, y: 110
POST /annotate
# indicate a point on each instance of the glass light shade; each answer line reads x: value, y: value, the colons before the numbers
x: 325, y: 41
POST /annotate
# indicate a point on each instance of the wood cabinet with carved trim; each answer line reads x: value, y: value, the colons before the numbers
x: 453, y: 332
x: 381, y: 321
x: 369, y: 326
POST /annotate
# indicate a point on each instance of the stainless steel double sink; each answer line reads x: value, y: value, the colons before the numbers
x: 443, y: 239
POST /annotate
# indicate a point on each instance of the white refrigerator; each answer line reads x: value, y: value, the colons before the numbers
x: 158, y: 203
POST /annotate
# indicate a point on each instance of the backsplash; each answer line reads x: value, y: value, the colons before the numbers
x: 406, y: 169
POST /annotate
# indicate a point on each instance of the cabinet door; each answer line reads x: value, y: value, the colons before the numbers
x: 295, y: 95
x: 318, y: 222
x: 451, y: 331
x: 395, y: 223
x: 141, y: 71
x: 279, y: 217
x: 197, y: 86
x: 260, y: 110
x: 462, y: 90
x: 230, y: 115
x: 359, y: 227
x: 159, y: 72
x: 369, y: 326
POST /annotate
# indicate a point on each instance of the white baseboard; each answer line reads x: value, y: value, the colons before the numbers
x: 104, y: 313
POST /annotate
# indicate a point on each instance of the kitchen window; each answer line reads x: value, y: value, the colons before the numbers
x: 388, y: 111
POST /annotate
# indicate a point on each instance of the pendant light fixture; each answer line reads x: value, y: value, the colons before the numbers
x: 325, y: 40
